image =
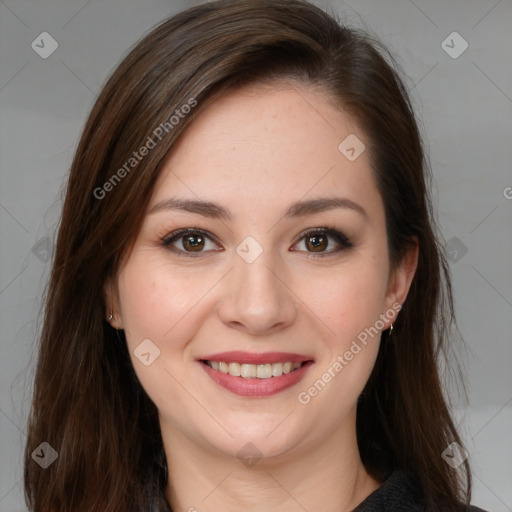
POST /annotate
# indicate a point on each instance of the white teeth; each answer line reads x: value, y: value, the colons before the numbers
x: 251, y: 371
x: 277, y: 369
x: 248, y: 371
x: 264, y: 371
x: 234, y: 369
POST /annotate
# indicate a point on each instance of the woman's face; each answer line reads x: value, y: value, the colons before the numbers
x: 285, y: 262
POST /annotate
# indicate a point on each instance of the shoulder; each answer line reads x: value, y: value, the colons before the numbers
x: 398, y: 494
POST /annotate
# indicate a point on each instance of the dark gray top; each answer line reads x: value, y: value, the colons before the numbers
x: 398, y: 494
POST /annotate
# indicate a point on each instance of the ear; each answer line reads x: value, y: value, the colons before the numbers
x: 112, y: 304
x: 401, y: 278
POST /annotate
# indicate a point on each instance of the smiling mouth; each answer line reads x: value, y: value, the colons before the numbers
x: 251, y: 371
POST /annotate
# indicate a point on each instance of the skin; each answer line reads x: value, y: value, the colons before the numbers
x: 286, y: 300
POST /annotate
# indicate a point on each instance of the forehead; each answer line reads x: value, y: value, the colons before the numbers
x: 264, y: 145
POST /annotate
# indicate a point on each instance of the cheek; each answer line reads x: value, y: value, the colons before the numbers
x: 350, y: 305
x: 349, y: 301
x: 155, y: 302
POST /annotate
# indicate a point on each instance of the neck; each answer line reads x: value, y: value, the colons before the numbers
x: 328, y: 476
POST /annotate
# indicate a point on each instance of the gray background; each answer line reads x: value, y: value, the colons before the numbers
x: 464, y: 105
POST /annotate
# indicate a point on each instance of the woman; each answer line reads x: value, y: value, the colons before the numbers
x: 248, y: 296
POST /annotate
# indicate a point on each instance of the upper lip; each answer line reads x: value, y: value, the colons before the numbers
x: 256, y: 358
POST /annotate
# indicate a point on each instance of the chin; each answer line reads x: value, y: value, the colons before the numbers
x: 265, y: 439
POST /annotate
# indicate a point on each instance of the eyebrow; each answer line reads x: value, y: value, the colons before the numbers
x: 298, y: 209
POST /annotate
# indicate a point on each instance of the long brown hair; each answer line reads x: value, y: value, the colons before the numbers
x: 87, y: 402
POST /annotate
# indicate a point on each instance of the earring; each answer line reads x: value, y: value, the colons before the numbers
x: 390, y: 329
x: 110, y: 317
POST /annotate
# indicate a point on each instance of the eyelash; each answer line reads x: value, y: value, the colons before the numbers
x: 343, y: 241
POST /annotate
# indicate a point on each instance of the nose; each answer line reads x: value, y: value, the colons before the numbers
x: 257, y: 299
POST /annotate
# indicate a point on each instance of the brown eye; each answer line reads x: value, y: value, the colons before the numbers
x: 194, y: 243
x: 324, y: 242
x: 190, y: 241
x: 317, y: 243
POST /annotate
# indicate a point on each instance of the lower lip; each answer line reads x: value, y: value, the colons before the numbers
x: 255, y: 387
